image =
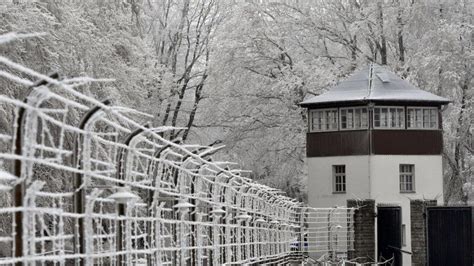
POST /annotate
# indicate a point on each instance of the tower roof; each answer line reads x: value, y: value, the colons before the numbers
x: 385, y: 86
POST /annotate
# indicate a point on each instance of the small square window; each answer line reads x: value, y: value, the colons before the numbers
x: 339, y: 178
x: 407, y: 178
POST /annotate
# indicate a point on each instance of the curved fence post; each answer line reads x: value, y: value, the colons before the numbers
x: 216, y: 213
x: 206, y: 153
x: 79, y: 190
x: 228, y: 222
x: 184, y: 160
x: 154, y: 205
x: 121, y: 207
x: 24, y: 171
x: 196, y: 255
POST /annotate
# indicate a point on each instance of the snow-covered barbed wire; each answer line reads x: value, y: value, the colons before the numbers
x: 13, y: 36
x: 111, y: 190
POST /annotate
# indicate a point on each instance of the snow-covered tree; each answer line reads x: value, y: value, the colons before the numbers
x: 236, y: 70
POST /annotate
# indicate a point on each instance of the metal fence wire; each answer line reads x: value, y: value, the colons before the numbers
x: 90, y: 185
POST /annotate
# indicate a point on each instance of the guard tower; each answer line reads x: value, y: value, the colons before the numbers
x: 375, y: 136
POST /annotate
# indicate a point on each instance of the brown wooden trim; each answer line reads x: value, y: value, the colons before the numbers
x: 389, y: 142
x: 407, y: 142
x: 337, y: 143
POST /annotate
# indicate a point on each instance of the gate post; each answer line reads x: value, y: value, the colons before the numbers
x: 364, y: 230
x: 418, y: 230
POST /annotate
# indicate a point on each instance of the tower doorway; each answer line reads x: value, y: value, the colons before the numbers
x: 389, y: 234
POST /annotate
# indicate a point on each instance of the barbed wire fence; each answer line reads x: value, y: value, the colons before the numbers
x: 91, y: 185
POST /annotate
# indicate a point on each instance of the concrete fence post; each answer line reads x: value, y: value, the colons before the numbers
x: 418, y: 230
x: 364, y: 230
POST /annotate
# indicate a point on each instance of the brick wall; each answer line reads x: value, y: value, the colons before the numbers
x: 418, y: 230
x: 364, y: 230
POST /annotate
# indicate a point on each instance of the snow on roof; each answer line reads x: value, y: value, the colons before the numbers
x: 384, y: 86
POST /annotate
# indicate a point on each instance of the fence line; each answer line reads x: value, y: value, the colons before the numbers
x: 91, y: 184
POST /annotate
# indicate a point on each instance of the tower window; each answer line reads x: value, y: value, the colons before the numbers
x: 407, y: 178
x: 389, y: 117
x: 323, y: 120
x: 422, y: 117
x: 353, y: 118
x: 339, y: 178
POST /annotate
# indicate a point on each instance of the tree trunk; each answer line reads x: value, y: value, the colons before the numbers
x: 354, y: 52
x: 401, y: 46
x: 383, y: 42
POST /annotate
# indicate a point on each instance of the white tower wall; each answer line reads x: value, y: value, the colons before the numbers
x: 376, y: 177
x: 320, y: 181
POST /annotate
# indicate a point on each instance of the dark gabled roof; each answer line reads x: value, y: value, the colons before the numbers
x: 386, y: 86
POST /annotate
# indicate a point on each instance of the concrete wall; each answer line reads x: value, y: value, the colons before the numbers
x: 385, y: 177
x: 383, y: 182
x: 364, y: 230
x: 385, y: 185
x: 418, y: 230
x: 376, y: 177
x: 320, y: 190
